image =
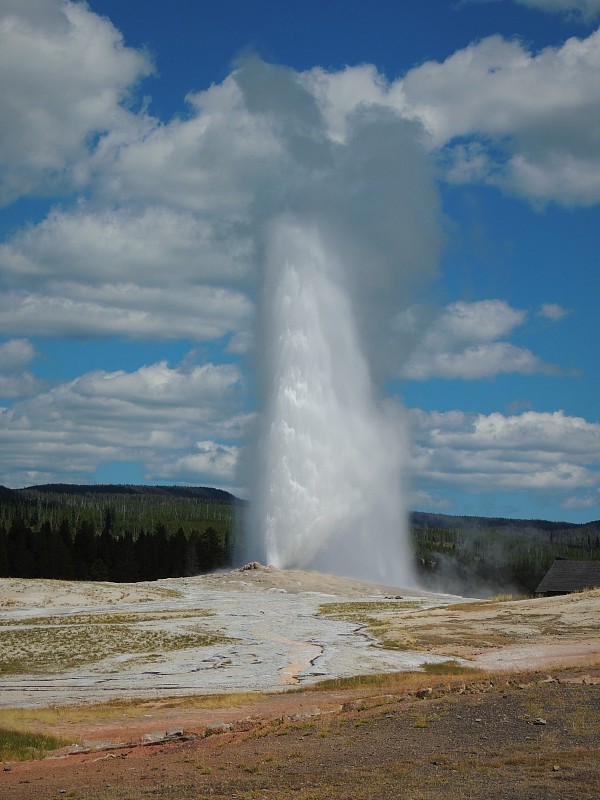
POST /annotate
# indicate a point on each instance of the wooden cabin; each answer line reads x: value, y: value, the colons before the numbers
x: 566, y: 576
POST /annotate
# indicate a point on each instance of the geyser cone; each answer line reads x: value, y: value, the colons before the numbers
x: 329, y: 468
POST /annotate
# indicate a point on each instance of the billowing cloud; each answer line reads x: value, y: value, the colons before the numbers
x: 73, y: 309
x: 585, y: 500
x: 527, y: 122
x: 169, y: 241
x: 156, y: 246
x: 190, y: 204
x: 155, y: 415
x: 15, y: 380
x: 462, y: 342
x: 495, y: 113
x: 65, y: 75
x: 207, y: 461
x: 538, y: 452
x: 15, y: 353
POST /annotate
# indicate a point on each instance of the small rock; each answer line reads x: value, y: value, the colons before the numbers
x: 154, y: 736
x: 539, y: 721
x: 216, y: 728
x: 7, y: 767
x: 353, y: 705
x: 300, y: 717
x: 242, y: 725
x: 556, y: 768
x: 171, y: 732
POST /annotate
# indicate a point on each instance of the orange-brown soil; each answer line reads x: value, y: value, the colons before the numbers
x: 528, y: 735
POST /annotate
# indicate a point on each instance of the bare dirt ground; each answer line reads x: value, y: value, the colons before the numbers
x: 497, y: 732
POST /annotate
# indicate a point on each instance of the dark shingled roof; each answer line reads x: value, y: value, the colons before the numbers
x: 570, y: 576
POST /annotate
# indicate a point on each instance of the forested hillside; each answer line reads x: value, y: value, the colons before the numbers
x: 471, y: 554
x: 116, y: 533
x: 132, y: 533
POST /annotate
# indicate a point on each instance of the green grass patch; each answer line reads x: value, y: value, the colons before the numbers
x: 134, y: 708
x: 52, y: 649
x: 450, y: 667
x: 23, y: 746
x: 118, y: 618
x: 403, y: 681
x: 355, y: 610
x: 375, y: 616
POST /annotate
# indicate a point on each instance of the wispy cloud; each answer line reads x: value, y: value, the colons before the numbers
x: 154, y: 415
x: 15, y: 380
x: 552, y: 311
x: 535, y: 452
x: 462, y: 342
x: 586, y: 9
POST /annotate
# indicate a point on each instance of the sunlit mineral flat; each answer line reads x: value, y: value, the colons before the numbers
x: 258, y: 629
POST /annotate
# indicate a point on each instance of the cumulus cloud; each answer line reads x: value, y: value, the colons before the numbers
x: 155, y: 415
x: 208, y: 461
x: 421, y: 499
x: 190, y: 207
x: 495, y: 112
x: 589, y: 500
x: 73, y: 309
x: 65, y: 75
x: 527, y: 122
x: 539, y: 452
x: 154, y: 246
x: 15, y: 353
x: 15, y: 380
x: 171, y: 238
x: 462, y: 342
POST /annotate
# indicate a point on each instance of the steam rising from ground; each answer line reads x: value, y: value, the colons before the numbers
x: 352, y: 231
x: 329, y: 493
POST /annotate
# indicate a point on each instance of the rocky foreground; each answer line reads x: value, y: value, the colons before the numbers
x: 479, y: 727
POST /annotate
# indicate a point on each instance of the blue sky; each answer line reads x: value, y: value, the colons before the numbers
x: 142, y: 153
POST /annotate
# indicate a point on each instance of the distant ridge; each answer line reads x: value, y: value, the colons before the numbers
x: 423, y: 519
x: 418, y: 519
x: 196, y: 492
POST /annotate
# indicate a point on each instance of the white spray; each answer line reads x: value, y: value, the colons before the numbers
x: 329, y: 493
x: 344, y: 226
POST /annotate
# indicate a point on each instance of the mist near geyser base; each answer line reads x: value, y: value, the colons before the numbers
x: 329, y: 463
x: 345, y: 230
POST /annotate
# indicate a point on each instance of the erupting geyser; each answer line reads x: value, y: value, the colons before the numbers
x: 342, y: 227
x: 329, y: 493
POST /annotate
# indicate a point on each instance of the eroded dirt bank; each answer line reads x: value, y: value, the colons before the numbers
x: 530, y: 736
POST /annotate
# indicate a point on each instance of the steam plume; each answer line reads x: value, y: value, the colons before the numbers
x: 356, y: 230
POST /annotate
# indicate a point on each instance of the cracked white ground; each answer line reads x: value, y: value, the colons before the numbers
x: 275, y: 635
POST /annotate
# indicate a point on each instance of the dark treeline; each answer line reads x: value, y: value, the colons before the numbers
x: 114, y: 533
x: 83, y: 554
x: 132, y: 533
